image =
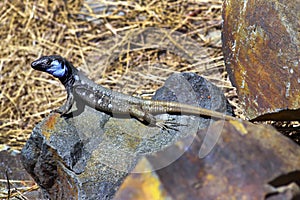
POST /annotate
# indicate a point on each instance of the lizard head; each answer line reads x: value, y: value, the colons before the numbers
x: 54, y: 65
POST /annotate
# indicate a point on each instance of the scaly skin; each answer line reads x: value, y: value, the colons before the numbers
x: 106, y: 100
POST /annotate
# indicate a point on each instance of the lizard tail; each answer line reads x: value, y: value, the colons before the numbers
x: 158, y: 107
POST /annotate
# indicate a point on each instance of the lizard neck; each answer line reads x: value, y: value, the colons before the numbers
x: 68, y: 79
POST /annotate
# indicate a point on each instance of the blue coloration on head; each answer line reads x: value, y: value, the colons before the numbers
x: 57, y: 69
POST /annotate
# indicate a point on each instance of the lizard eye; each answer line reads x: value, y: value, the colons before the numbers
x: 48, y: 62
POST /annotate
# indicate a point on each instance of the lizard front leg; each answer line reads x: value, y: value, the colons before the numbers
x: 67, y: 105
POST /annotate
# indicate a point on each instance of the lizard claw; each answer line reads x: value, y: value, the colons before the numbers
x: 55, y: 111
x: 60, y: 110
x: 169, y: 124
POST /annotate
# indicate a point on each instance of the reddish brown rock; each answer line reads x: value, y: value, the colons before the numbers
x: 261, y: 50
x: 247, y: 161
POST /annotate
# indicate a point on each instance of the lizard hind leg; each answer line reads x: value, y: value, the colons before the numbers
x: 143, y: 116
x: 150, y: 119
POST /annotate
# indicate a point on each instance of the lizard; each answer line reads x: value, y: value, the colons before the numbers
x: 77, y: 84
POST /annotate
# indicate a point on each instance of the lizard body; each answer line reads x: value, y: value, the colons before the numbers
x: 104, y: 99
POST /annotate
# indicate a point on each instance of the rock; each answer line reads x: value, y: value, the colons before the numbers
x: 261, y: 50
x: 87, y: 156
x: 247, y: 161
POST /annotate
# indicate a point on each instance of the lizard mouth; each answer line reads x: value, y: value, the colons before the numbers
x: 38, y: 65
x: 34, y: 65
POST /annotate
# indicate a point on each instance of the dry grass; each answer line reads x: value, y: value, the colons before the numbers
x: 106, y: 39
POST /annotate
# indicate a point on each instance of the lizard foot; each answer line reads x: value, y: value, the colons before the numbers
x: 60, y: 110
x: 56, y: 111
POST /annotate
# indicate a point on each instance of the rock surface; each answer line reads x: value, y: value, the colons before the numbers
x: 87, y: 156
x: 261, y: 50
x: 247, y: 161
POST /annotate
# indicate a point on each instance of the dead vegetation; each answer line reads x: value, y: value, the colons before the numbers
x: 107, y: 39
